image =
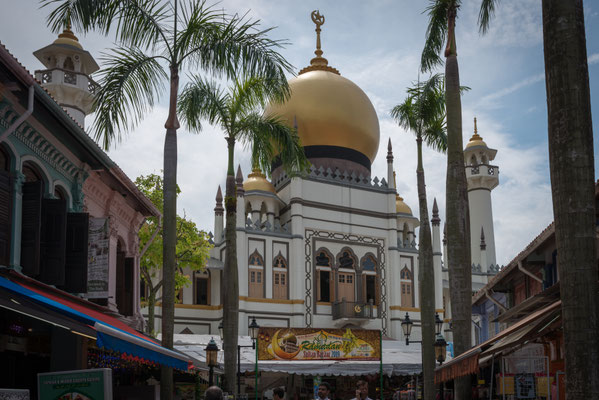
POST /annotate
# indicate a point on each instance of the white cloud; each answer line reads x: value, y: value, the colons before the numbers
x: 531, y: 80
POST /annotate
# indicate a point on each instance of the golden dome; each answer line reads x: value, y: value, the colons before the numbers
x: 68, y: 37
x: 330, y: 110
x: 257, y: 181
x: 401, y: 206
x: 476, y: 140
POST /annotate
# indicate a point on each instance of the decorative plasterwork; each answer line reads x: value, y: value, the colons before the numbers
x: 38, y: 144
x: 310, y: 239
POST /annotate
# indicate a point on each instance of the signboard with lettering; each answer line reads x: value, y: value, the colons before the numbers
x: 98, y: 258
x: 85, y: 384
x: 318, y: 344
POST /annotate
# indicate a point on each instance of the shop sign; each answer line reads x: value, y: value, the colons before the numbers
x: 318, y: 344
x: 85, y: 384
x: 98, y: 258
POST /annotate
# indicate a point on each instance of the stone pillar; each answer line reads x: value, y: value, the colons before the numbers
x: 17, y: 215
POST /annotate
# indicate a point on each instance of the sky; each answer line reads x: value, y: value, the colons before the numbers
x: 377, y: 45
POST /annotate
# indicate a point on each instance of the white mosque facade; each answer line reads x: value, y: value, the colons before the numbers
x: 336, y: 247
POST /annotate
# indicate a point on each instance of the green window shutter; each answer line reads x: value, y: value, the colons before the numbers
x: 31, y: 223
x: 76, y: 252
x: 53, y: 242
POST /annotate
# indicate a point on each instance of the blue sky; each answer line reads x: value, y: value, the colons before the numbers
x: 377, y: 45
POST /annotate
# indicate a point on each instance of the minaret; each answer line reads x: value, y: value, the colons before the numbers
x: 218, y: 216
x: 482, y: 178
x: 390, y: 173
x: 435, y: 221
x: 240, y: 193
x: 67, y: 74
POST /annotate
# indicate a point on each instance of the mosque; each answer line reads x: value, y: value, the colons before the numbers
x: 337, y: 247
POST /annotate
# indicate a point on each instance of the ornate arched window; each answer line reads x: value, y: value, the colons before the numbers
x: 370, y: 287
x: 279, y: 277
x: 346, y: 275
x: 256, y: 275
x: 407, y: 287
x: 324, y: 282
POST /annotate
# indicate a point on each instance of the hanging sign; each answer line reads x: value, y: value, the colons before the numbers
x: 86, y: 384
x: 98, y: 258
x: 318, y: 344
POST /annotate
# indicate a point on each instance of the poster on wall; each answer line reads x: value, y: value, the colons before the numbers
x: 98, y: 258
x: 318, y: 344
x: 86, y: 384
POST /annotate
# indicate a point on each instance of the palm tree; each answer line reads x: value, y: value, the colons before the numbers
x: 156, y: 40
x: 571, y: 163
x: 440, y: 31
x: 423, y: 113
x: 238, y: 112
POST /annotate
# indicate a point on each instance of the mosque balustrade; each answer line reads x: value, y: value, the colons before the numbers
x: 266, y: 227
x: 491, y: 170
x: 74, y: 78
x: 353, y: 309
x: 337, y: 177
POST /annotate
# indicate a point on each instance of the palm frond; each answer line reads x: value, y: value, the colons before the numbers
x: 485, y: 15
x: 436, y: 34
x: 237, y: 48
x: 270, y: 138
x: 202, y: 99
x: 139, y: 23
x: 253, y: 92
x: 435, y: 134
x: 199, y: 21
x: 129, y: 86
x: 83, y: 15
x: 405, y: 115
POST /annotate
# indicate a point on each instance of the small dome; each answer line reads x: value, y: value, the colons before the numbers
x: 68, y: 37
x: 257, y: 181
x: 476, y: 139
x: 401, y: 206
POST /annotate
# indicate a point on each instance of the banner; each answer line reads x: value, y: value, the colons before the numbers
x: 98, y: 258
x: 86, y: 384
x: 318, y: 344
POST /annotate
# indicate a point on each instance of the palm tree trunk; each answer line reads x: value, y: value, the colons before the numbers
x: 571, y: 163
x: 458, y: 217
x: 427, y: 284
x: 170, y: 232
x: 231, y: 286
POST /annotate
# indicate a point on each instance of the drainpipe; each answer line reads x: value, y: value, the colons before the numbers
x: 158, y: 227
x: 498, y: 304
x: 22, y: 118
x: 527, y: 272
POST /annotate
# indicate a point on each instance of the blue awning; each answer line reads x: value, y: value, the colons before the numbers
x: 111, y: 333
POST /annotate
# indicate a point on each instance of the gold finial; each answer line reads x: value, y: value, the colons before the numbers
x: 397, y: 196
x: 476, y: 136
x: 67, y: 36
x: 318, y: 62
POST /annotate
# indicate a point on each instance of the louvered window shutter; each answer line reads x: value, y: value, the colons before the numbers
x: 53, y: 243
x: 5, y: 217
x: 31, y: 228
x: 76, y: 252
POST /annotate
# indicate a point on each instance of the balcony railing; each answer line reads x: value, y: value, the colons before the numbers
x: 59, y: 76
x: 353, y: 309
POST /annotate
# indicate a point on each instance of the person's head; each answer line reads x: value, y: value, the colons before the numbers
x: 213, y: 393
x: 362, y: 388
x: 278, y: 393
x: 324, y: 389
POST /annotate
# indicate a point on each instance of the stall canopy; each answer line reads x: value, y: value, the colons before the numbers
x: 526, y: 329
x: 23, y: 295
x: 398, y: 359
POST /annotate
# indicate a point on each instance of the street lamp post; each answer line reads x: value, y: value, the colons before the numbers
x: 211, y: 359
x: 406, y: 326
x: 253, y: 329
x: 440, y: 353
